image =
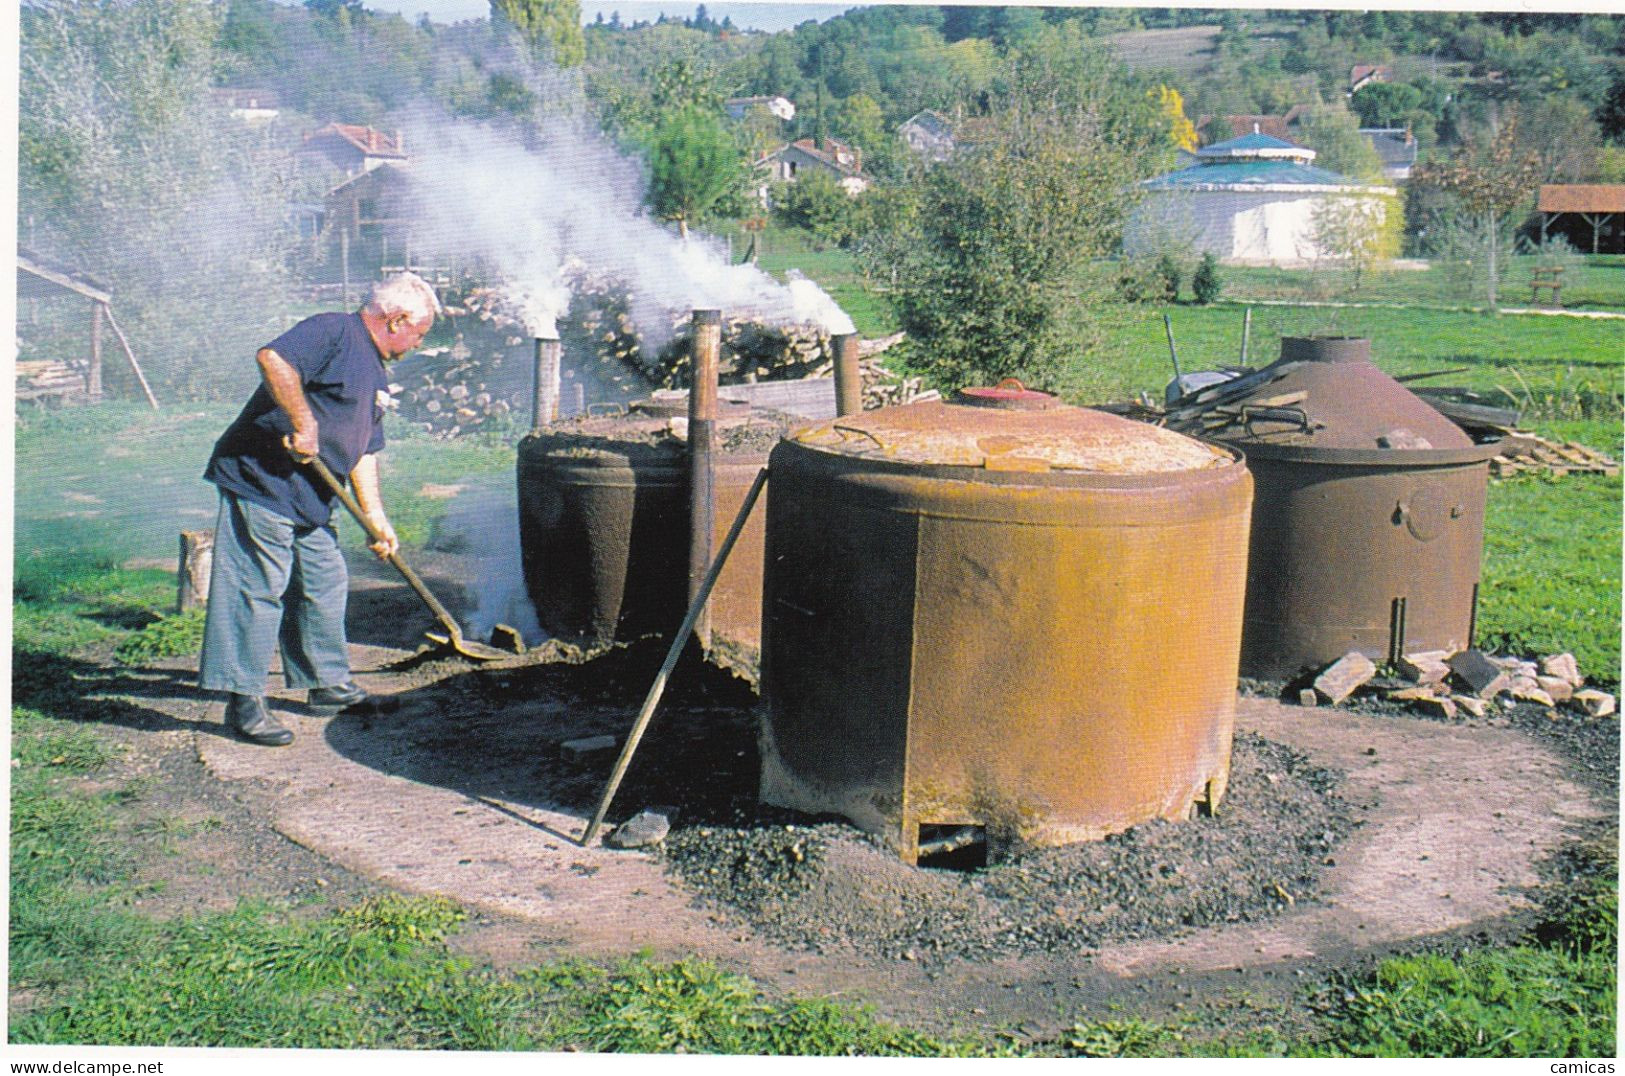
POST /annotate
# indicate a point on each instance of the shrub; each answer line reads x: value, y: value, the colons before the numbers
x: 1205, y: 284
x: 1168, y: 277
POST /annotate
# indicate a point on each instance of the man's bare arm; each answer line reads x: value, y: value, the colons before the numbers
x: 364, y: 480
x: 286, y: 388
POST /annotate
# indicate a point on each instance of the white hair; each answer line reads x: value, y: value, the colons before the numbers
x: 405, y: 293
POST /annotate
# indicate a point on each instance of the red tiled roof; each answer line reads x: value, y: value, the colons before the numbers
x: 372, y: 142
x: 1582, y: 198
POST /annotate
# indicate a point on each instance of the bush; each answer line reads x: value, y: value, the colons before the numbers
x: 1205, y: 284
x: 1168, y: 276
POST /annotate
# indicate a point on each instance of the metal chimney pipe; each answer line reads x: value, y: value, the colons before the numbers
x: 848, y: 378
x: 578, y: 398
x: 705, y: 357
x: 545, y: 411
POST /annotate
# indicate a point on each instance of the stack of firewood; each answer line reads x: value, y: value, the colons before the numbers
x: 41, y: 378
x: 447, y: 391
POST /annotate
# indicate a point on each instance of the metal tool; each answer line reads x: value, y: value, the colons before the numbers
x: 453, y: 638
x: 678, y: 642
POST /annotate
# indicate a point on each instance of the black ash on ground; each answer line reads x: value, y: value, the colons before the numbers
x: 827, y: 886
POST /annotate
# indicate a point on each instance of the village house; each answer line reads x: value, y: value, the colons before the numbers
x: 1363, y: 75
x: 928, y: 134
x: 352, y: 149
x: 248, y: 105
x: 1397, y: 148
x: 837, y: 158
x: 1251, y: 200
x: 740, y: 107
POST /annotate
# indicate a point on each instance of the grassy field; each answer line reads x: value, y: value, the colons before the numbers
x: 1592, y: 283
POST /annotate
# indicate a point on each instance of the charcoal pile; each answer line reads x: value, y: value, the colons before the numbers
x: 827, y: 886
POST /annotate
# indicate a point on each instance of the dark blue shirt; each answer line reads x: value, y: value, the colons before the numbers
x: 343, y: 376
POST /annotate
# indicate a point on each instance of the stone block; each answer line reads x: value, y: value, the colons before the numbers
x: 1344, y: 675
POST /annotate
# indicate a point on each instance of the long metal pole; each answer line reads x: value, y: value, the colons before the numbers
x: 545, y: 408
x: 848, y: 375
x: 706, y: 355
x: 658, y: 688
x: 1246, y: 334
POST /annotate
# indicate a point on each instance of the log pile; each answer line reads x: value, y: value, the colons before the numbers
x: 447, y: 391
x: 488, y: 373
x: 39, y: 379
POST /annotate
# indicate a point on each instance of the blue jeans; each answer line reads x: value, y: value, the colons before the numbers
x: 273, y: 581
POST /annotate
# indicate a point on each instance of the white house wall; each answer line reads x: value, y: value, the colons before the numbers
x: 1251, y: 227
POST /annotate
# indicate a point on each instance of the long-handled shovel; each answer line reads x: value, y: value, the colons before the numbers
x: 453, y: 637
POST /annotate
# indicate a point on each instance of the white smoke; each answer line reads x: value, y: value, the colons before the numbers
x: 483, y: 524
x: 529, y: 204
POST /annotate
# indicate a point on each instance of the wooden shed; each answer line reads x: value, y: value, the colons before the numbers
x: 59, y: 380
x: 1599, y: 206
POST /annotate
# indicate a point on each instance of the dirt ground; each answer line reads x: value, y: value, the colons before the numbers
x: 462, y: 791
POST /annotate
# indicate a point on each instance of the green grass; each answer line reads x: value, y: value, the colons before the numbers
x: 1568, y: 367
x: 1597, y: 283
x: 1551, y: 577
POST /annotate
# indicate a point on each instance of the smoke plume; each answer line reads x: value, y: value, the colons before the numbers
x: 530, y: 203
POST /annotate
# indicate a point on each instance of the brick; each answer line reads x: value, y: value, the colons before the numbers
x: 1307, y: 697
x: 1472, y: 704
x: 1555, y: 686
x: 1563, y: 666
x: 1480, y: 675
x: 588, y: 745
x: 1344, y: 675
x: 639, y: 831
x: 1594, y: 702
x: 1410, y: 694
x: 1432, y: 704
x: 1529, y: 691
x: 1427, y: 667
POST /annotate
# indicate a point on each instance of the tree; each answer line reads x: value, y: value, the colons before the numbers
x: 1358, y: 230
x: 128, y: 171
x: 996, y: 234
x: 550, y: 26
x: 693, y: 163
x: 817, y: 202
x: 1334, y: 134
x: 1489, y: 182
x: 1181, y: 131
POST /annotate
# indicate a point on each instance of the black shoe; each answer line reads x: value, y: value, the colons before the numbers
x: 253, y: 722
x: 340, y: 697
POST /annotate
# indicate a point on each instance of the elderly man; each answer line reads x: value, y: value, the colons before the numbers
x: 278, y: 573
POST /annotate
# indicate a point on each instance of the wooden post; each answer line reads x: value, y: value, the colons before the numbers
x: 197, y: 560
x: 128, y: 354
x: 344, y: 266
x: 93, y: 376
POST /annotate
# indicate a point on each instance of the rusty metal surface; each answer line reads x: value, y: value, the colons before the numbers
x: 1069, y: 439
x: 604, y: 537
x: 1368, y: 525
x: 1009, y: 395
x: 1052, y: 656
x: 705, y: 352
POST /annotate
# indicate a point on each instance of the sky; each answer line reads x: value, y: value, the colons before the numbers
x: 763, y: 15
